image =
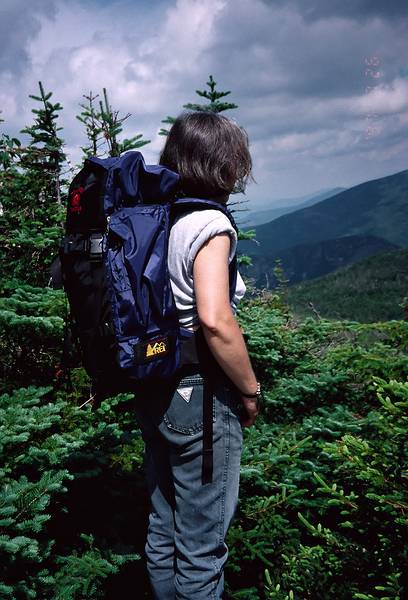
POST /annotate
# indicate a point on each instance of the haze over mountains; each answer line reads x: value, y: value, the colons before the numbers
x: 367, y: 219
x: 258, y: 217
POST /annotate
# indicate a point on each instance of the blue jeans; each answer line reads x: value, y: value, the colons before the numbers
x: 185, y: 547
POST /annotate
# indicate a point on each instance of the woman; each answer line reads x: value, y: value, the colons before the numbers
x: 185, y: 548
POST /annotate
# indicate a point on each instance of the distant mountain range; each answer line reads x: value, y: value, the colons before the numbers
x: 369, y: 290
x: 378, y: 207
x: 364, y: 220
x: 307, y: 261
x: 258, y: 217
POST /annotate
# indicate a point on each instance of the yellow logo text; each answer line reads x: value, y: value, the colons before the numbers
x: 157, y: 348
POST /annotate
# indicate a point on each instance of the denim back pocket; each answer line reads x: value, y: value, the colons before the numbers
x: 185, y: 411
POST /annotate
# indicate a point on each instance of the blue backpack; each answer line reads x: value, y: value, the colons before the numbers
x: 113, y: 258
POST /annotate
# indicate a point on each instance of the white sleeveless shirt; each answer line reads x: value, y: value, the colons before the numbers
x: 189, y: 232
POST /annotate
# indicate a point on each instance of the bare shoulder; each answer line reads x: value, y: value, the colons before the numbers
x: 213, y: 254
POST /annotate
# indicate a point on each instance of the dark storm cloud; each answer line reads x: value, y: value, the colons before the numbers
x: 354, y: 9
x: 320, y: 59
x: 18, y: 26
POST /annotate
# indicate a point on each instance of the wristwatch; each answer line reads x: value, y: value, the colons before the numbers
x: 257, y: 394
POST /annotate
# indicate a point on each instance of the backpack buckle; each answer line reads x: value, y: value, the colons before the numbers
x: 95, y: 246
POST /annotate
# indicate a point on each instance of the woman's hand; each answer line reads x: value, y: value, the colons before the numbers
x: 251, y: 408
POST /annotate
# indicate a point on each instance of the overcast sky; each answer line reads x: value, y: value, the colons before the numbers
x: 322, y: 85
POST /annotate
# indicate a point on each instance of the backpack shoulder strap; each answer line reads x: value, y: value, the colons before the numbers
x: 183, y: 204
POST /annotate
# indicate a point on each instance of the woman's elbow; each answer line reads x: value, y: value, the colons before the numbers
x: 216, y: 322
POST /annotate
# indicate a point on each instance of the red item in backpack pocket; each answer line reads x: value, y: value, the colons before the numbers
x: 75, y: 205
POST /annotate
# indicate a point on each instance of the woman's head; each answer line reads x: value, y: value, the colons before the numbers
x: 210, y: 153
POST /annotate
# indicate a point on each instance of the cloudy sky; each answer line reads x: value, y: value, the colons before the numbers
x: 322, y: 85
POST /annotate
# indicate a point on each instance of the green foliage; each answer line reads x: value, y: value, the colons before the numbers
x: 247, y: 234
x: 31, y: 333
x: 30, y: 228
x: 9, y: 148
x: 44, y: 152
x: 323, y: 504
x: 73, y: 580
x: 213, y: 96
x: 323, y: 480
x: 244, y: 259
x: 372, y: 289
x: 61, y: 468
x: 326, y: 521
x: 31, y: 190
x: 90, y: 118
x: 169, y: 120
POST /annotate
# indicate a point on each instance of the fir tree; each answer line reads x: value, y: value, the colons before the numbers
x: 44, y: 154
x: 49, y: 449
x: 90, y: 118
x: 31, y: 195
x: 104, y: 127
x: 214, y: 104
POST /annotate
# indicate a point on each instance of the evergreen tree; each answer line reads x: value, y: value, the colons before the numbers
x: 31, y: 183
x: 90, y: 118
x: 214, y: 104
x: 50, y: 547
x: 44, y: 155
x: 103, y: 128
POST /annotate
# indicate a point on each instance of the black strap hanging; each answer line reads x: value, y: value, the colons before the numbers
x: 207, y: 468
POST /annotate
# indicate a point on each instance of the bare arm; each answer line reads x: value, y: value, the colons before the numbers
x: 220, y: 328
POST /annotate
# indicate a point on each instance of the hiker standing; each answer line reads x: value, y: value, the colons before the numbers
x: 193, y: 480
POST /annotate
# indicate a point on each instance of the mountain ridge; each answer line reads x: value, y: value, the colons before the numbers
x: 377, y: 207
x: 310, y: 260
x: 260, y: 217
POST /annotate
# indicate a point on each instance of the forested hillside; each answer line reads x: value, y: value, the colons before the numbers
x: 372, y: 289
x: 315, y: 259
x: 323, y: 510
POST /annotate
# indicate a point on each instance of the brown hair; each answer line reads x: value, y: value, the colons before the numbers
x: 210, y: 153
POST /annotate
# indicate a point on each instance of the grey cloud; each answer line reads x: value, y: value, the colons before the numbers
x: 291, y: 72
x: 280, y: 53
x: 18, y: 24
x: 354, y: 9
